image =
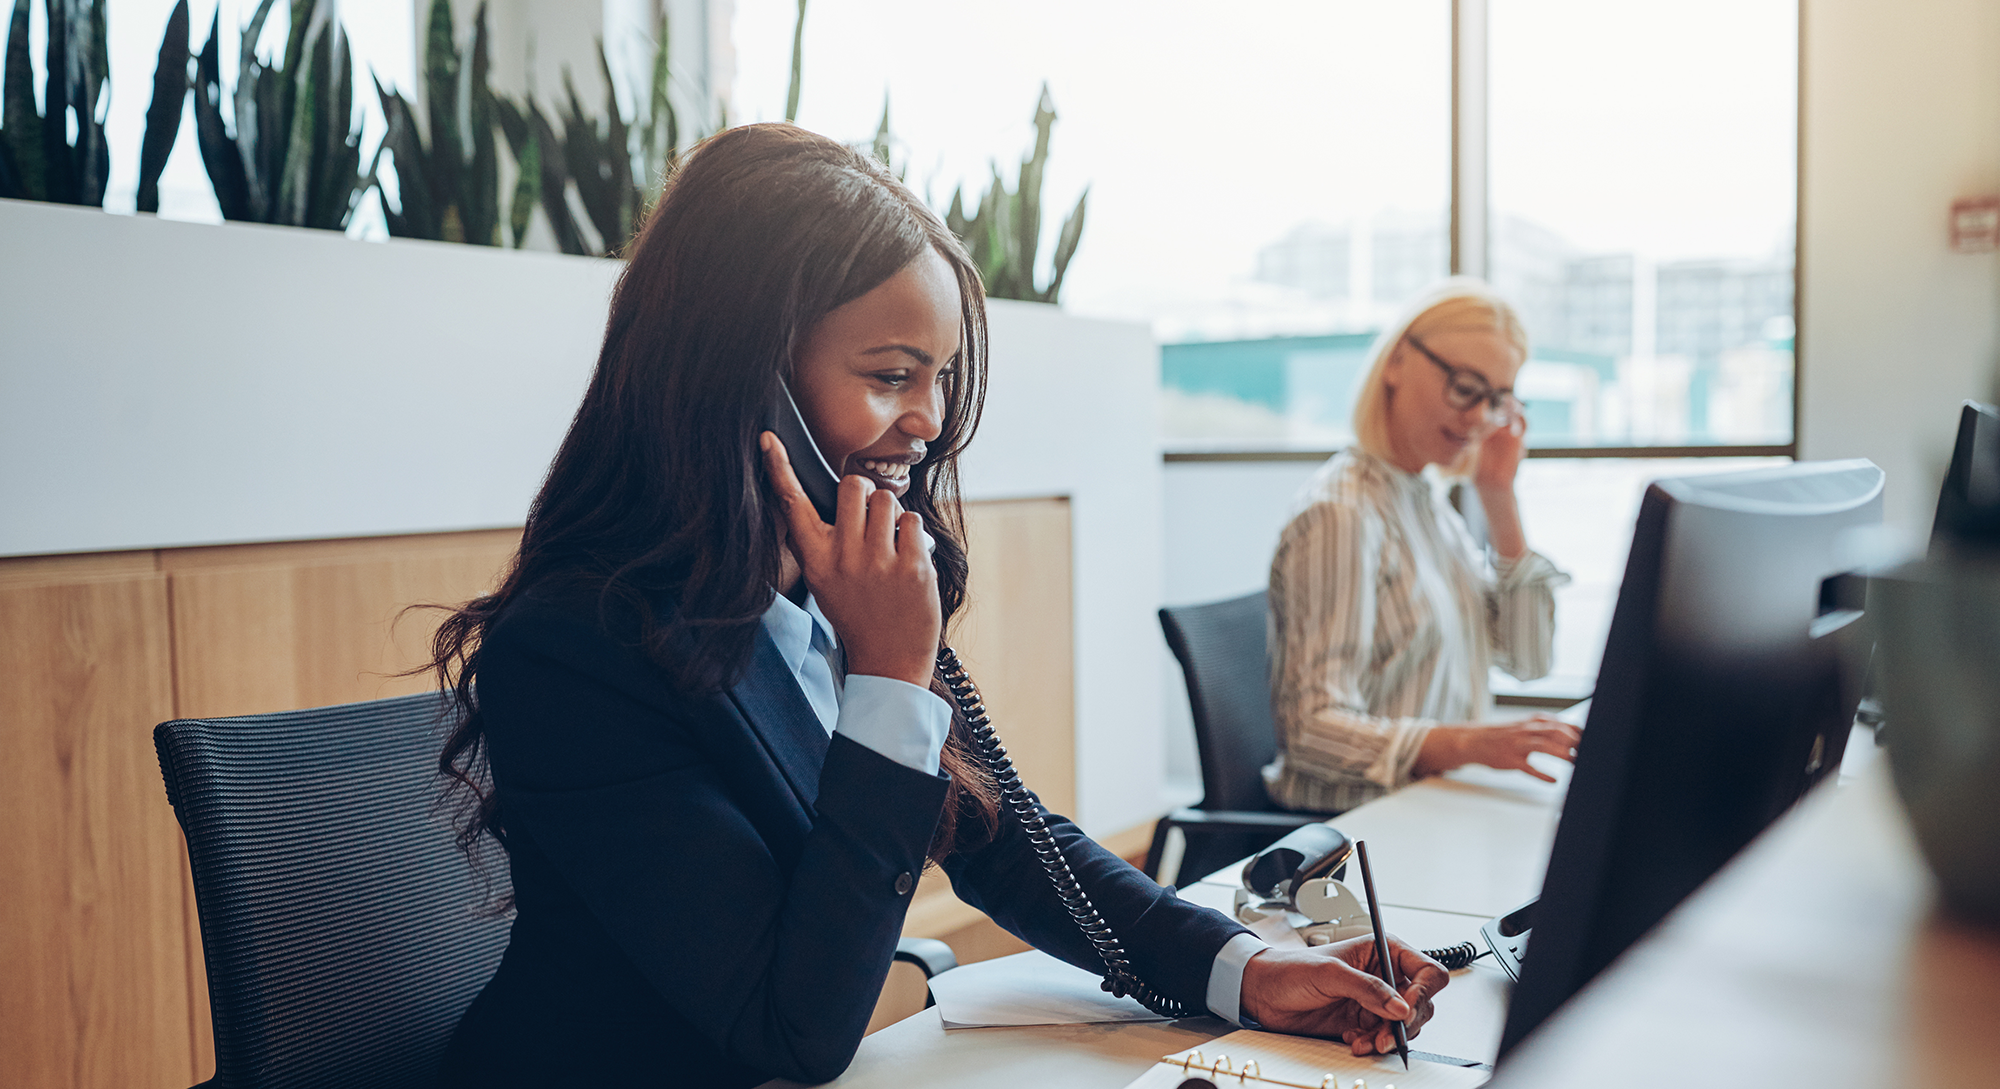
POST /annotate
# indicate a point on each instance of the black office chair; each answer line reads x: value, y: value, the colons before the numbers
x: 1221, y: 649
x: 344, y: 932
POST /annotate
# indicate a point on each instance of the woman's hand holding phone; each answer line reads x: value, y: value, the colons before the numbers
x: 870, y: 572
x: 1500, y: 454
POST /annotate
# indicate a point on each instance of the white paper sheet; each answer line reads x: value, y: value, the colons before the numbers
x: 1296, y: 1062
x: 1029, y: 988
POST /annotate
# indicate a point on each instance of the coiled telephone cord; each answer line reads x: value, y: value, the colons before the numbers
x: 1457, y: 956
x: 1119, y: 978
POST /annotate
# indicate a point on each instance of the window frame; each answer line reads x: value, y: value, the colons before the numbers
x: 1471, y: 244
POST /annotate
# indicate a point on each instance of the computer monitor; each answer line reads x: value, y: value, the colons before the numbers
x: 1969, y: 503
x: 1719, y: 701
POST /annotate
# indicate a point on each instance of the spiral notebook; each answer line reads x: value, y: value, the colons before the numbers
x: 1268, y: 1060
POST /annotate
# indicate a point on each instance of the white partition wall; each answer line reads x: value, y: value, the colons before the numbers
x: 1901, y: 116
x: 168, y: 384
x: 1074, y: 410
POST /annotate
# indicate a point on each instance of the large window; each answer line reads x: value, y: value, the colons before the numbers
x: 1643, y: 200
x: 1277, y: 169
x: 1637, y: 204
x: 1639, y: 209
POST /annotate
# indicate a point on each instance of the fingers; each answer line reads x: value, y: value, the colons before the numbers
x: 851, y: 514
x: 1378, y: 997
x: 808, y: 531
x: 883, y: 515
x: 1560, y: 743
x: 1419, y: 970
x: 1423, y: 979
x: 913, y: 544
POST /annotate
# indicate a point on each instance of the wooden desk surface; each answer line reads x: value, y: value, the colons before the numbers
x: 1815, y: 958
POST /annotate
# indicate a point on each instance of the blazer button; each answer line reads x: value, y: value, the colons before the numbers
x: 904, y: 883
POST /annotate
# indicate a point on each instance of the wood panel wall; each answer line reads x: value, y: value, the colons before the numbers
x: 93, y: 948
x: 101, y: 979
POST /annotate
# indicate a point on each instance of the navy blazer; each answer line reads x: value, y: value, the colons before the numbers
x: 709, y: 889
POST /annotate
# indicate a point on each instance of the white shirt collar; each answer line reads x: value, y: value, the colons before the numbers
x: 796, y: 629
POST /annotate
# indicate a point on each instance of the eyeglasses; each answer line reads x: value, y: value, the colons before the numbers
x: 1464, y: 388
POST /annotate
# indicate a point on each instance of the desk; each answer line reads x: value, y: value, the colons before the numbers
x: 1449, y: 853
x: 1814, y: 958
x: 1474, y: 841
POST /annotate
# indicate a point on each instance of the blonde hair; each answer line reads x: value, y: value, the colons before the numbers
x: 1460, y: 304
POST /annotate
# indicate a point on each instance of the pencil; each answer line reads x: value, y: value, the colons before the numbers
x: 1388, y: 967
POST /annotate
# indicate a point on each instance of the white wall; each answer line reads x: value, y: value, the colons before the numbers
x: 1901, y: 108
x: 166, y: 384
x: 1222, y: 524
x: 1073, y: 409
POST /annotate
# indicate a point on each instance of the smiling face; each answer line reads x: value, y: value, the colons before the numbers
x: 1423, y: 427
x: 870, y: 376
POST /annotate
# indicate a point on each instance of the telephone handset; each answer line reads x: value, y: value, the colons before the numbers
x: 1297, y: 881
x: 822, y: 486
x: 821, y: 483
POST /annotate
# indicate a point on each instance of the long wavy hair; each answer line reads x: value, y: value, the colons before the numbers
x: 657, y: 493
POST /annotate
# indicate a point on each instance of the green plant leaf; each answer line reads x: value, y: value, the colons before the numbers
x: 270, y: 148
x: 513, y: 125
x: 480, y: 183
x: 10, y: 181
x: 663, y: 138
x: 60, y: 178
x: 527, y: 186
x: 218, y: 151
x: 880, y: 148
x: 954, y: 216
x: 20, y: 123
x: 92, y: 150
x: 304, y: 13
x: 307, y: 121
x: 616, y: 167
x: 589, y: 162
x: 442, y: 65
x: 1028, y: 200
x: 417, y: 217
x: 1072, y: 233
x: 254, y: 117
x: 336, y: 144
x: 163, y: 115
x: 555, y: 202
x: 798, y: 65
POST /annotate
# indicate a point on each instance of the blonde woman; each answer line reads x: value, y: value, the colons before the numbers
x: 1385, y: 614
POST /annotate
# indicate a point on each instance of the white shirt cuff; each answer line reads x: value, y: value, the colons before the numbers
x: 1225, y: 977
x: 895, y: 718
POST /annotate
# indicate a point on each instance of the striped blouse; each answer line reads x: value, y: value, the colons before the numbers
x: 1384, y: 621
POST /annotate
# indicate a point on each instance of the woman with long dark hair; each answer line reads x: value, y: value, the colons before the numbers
x: 703, y: 723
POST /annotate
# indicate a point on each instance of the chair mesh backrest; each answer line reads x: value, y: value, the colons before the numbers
x: 1221, y: 650
x: 345, y: 934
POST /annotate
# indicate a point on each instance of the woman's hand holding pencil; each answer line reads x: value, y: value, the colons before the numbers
x: 1336, y: 991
